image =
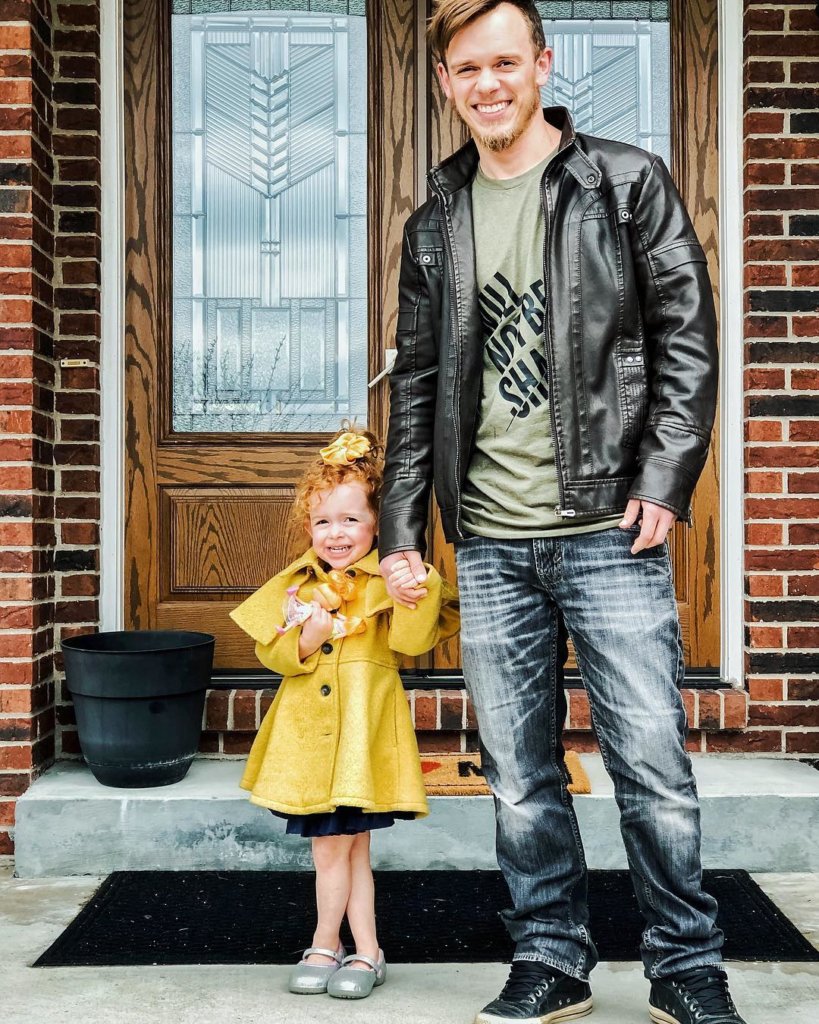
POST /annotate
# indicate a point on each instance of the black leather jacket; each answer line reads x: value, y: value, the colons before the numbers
x: 629, y: 338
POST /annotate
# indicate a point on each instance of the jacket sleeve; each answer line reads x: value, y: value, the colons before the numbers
x: 435, y: 618
x: 260, y: 614
x: 282, y: 655
x: 413, y: 384
x: 681, y: 342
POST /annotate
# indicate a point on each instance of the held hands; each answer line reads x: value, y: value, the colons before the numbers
x: 655, y: 522
x: 405, y: 576
x: 317, y: 628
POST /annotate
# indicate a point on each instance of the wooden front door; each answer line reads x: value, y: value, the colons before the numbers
x: 269, y: 170
x: 271, y: 161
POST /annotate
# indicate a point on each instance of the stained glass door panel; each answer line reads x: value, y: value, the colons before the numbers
x: 269, y: 218
x: 614, y: 75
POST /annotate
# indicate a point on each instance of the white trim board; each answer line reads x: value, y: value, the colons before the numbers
x: 112, y: 354
x: 731, y: 483
x: 112, y: 371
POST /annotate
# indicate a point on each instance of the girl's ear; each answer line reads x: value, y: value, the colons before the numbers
x: 306, y: 525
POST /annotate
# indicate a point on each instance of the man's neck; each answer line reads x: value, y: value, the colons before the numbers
x: 538, y: 140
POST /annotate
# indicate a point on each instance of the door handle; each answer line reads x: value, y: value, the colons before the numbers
x: 389, y: 360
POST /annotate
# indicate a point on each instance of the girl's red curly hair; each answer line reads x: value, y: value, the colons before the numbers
x: 319, y: 477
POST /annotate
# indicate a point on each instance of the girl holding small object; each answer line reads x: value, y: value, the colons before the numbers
x: 336, y: 753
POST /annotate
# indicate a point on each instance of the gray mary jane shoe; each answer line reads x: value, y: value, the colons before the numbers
x: 312, y: 979
x: 357, y: 982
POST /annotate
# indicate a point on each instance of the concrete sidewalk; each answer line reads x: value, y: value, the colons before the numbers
x: 34, y: 912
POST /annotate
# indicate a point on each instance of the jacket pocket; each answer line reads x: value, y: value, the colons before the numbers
x: 428, y: 256
x: 632, y: 385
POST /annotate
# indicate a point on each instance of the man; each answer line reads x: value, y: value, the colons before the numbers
x: 556, y: 374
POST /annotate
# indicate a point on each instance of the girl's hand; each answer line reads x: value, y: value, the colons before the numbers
x: 405, y: 584
x: 315, y: 631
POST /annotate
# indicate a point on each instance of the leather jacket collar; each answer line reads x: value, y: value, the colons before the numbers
x: 458, y: 170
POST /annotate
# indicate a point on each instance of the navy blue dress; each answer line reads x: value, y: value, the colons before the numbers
x: 343, y: 821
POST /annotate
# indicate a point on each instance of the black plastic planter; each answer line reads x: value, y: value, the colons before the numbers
x: 138, y: 698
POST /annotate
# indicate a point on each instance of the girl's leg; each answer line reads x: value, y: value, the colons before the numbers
x: 332, y: 859
x: 361, y: 905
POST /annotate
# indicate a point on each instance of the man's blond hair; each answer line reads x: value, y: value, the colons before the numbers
x: 452, y: 15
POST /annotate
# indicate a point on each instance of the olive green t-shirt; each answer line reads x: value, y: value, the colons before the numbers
x: 511, y: 485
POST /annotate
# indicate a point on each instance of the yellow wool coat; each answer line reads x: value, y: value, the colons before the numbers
x: 339, y: 732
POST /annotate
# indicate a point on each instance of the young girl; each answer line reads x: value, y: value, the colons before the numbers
x: 336, y: 753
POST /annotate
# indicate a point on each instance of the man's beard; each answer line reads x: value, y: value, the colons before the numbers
x: 502, y: 140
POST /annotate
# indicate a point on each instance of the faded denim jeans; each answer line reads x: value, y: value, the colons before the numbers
x: 620, y: 611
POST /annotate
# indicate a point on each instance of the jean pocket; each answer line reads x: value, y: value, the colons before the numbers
x: 631, y: 533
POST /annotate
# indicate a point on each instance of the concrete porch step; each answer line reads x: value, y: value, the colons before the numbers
x: 761, y: 814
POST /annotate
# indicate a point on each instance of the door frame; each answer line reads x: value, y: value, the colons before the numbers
x: 112, y: 370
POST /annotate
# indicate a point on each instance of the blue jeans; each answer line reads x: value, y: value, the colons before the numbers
x: 620, y: 611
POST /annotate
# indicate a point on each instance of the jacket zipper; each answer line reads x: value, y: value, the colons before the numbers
x: 456, y: 391
x: 560, y: 509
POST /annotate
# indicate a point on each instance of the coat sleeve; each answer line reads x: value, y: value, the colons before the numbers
x: 435, y: 618
x: 282, y: 655
x: 681, y: 343
x: 413, y: 387
x: 259, y: 616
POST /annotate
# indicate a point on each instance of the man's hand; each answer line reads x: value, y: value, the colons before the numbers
x: 655, y: 522
x: 405, y: 575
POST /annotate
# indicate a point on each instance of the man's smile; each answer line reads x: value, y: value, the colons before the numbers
x: 492, y: 108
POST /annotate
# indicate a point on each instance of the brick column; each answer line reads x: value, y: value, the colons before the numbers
x: 49, y: 313
x: 27, y: 375
x: 77, y: 251
x: 782, y: 376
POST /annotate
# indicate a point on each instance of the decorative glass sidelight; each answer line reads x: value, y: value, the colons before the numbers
x: 269, y: 217
x: 614, y: 75
x: 646, y: 10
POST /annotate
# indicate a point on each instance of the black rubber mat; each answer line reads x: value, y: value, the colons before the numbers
x: 266, y: 917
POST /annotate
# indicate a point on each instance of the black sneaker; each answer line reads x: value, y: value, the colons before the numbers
x: 536, y: 993
x: 698, y: 996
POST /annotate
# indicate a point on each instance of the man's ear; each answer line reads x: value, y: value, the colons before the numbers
x: 543, y: 66
x: 443, y: 78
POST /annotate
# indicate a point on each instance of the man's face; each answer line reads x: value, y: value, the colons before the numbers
x: 493, y: 77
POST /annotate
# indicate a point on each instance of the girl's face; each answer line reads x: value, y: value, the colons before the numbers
x: 341, y: 525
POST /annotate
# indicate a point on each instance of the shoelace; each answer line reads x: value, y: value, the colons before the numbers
x: 709, y: 988
x: 524, y: 976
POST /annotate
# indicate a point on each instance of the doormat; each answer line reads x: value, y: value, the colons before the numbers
x: 461, y: 774
x: 266, y: 917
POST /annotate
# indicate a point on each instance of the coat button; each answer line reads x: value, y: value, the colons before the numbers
x: 326, y: 691
x: 350, y: 572
x: 327, y: 648
x: 591, y: 178
x: 625, y: 214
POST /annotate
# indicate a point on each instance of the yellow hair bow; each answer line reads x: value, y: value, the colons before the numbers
x: 345, y: 450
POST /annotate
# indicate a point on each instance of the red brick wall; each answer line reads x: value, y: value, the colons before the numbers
x: 49, y: 311
x: 782, y: 377
x: 445, y: 721
x: 27, y: 386
x: 77, y: 254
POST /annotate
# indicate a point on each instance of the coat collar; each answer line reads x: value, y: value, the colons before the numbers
x: 459, y: 169
x: 310, y: 560
x: 260, y: 613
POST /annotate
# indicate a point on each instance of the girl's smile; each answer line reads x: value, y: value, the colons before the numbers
x: 341, y: 525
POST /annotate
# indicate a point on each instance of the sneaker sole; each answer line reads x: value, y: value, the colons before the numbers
x: 660, y: 1016
x: 573, y: 1012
